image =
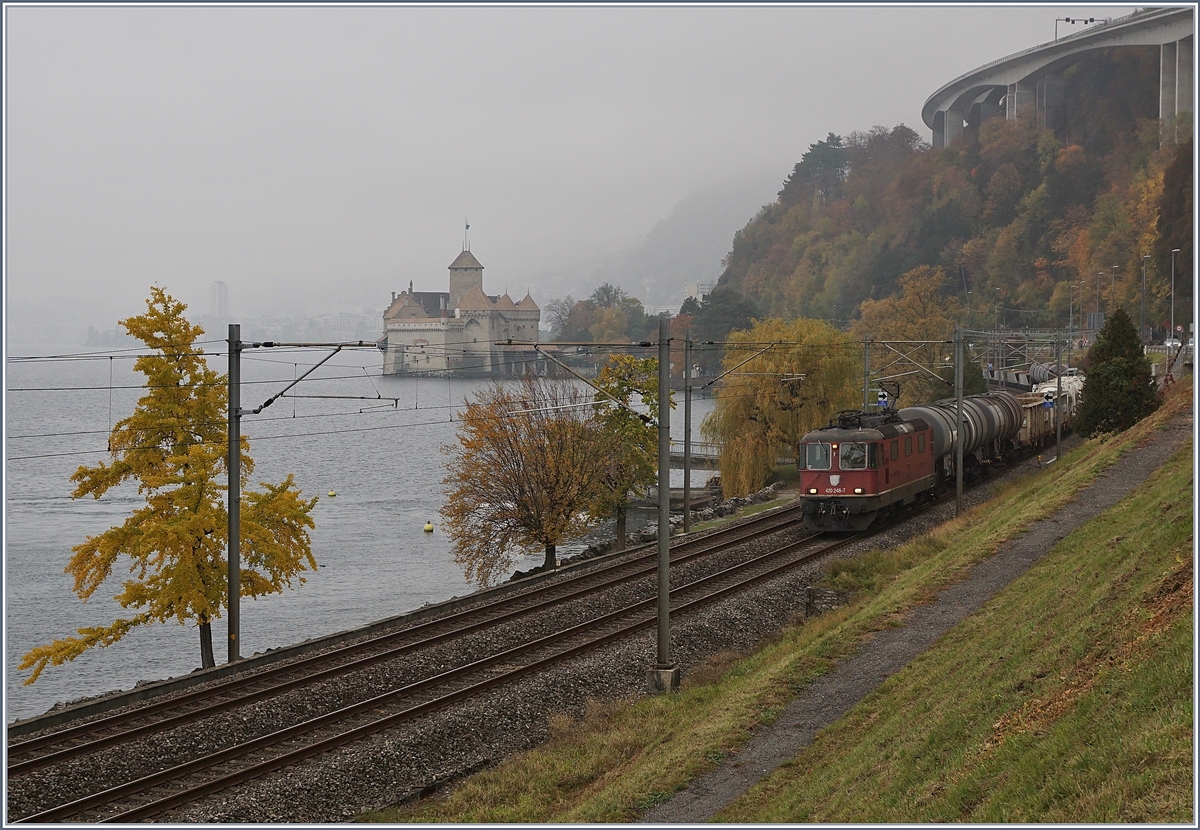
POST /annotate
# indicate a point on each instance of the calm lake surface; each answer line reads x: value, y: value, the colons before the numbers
x: 384, y: 462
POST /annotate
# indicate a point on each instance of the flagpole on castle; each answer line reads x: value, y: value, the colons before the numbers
x: 466, y: 227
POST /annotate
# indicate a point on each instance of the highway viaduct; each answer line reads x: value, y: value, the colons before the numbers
x: 1030, y: 83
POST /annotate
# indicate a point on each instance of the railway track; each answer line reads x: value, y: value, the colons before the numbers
x: 61, y: 746
x: 192, y: 778
x: 164, y: 790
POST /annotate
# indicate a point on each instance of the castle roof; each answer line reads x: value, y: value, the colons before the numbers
x: 405, y: 307
x: 475, y: 300
x: 527, y: 304
x: 466, y: 260
x: 505, y: 303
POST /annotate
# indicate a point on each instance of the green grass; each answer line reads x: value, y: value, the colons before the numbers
x: 748, y: 510
x: 1066, y: 699
x: 787, y: 473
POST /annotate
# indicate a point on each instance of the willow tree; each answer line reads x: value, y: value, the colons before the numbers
x: 522, y: 474
x: 173, y: 446
x: 784, y: 380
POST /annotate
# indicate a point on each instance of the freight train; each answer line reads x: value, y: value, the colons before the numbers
x: 865, y: 466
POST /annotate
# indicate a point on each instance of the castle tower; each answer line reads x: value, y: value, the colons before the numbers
x: 465, y: 273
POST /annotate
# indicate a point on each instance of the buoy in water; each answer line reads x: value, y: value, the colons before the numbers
x: 429, y: 527
x: 332, y: 494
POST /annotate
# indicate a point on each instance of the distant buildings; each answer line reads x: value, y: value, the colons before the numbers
x: 216, y: 322
x: 698, y: 290
x: 455, y: 332
x: 218, y: 300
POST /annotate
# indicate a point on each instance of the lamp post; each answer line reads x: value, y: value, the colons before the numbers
x: 1112, y: 291
x: 996, y: 332
x: 1071, y: 324
x: 1142, y: 330
x: 1173, y: 252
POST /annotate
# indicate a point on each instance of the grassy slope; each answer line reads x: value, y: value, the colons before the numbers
x: 1066, y: 698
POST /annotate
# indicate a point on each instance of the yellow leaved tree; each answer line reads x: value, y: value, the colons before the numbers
x: 173, y: 446
x: 920, y: 320
x: 807, y: 371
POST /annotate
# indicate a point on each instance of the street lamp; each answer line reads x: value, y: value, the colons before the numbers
x: 1142, y: 330
x: 1058, y: 20
x: 1173, y: 252
x: 1071, y: 324
x: 1112, y: 291
x: 996, y: 330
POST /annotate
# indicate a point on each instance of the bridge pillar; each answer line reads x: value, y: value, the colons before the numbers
x: 953, y: 126
x: 988, y: 109
x: 1168, y: 55
x: 939, y: 130
x: 1175, y: 84
x: 1050, y: 97
x: 1020, y: 101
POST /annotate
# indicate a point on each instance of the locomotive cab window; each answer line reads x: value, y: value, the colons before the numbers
x: 873, y: 456
x: 895, y: 450
x: 853, y: 456
x: 908, y: 445
x: 817, y: 456
x: 921, y: 442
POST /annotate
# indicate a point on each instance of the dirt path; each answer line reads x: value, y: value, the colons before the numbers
x: 833, y: 695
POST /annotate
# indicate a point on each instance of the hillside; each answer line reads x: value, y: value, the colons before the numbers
x: 1014, y: 215
x: 996, y: 721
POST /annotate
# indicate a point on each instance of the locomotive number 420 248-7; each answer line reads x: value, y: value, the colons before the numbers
x: 833, y: 491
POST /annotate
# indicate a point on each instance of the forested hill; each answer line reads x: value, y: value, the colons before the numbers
x: 1013, y: 214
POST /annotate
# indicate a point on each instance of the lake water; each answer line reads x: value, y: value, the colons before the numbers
x: 384, y: 462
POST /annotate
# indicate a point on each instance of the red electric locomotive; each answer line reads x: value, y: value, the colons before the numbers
x: 863, y: 466
x: 868, y: 465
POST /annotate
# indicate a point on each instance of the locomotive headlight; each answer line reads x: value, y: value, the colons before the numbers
x: 834, y: 446
x: 858, y: 491
x: 812, y: 491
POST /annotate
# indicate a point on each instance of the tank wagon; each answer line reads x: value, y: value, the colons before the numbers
x: 863, y: 467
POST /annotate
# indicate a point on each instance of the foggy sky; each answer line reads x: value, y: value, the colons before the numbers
x: 318, y: 158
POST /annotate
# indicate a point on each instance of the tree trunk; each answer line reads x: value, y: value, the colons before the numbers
x: 551, y: 561
x: 206, y: 652
x: 621, y: 526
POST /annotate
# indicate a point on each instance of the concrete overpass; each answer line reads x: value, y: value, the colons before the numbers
x: 1030, y: 83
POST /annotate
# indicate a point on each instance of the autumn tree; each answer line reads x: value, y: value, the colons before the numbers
x: 630, y: 435
x: 558, y: 315
x: 174, y: 446
x: 806, y: 372
x: 522, y: 474
x: 1119, y: 390
x: 923, y: 312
